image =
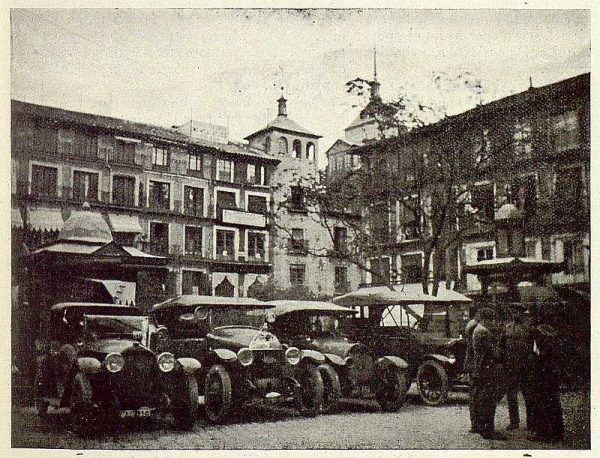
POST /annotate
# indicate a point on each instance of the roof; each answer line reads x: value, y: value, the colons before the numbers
x: 122, y: 126
x: 528, y: 98
x: 286, y: 124
x: 92, y: 305
x: 85, y: 226
x: 512, y: 265
x: 339, y: 142
x: 288, y: 306
x: 193, y: 300
x: 382, y: 295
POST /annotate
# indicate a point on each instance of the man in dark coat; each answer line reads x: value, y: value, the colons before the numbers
x: 484, y: 375
x: 469, y: 328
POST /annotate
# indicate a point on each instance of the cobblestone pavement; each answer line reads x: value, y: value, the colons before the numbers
x: 358, y: 425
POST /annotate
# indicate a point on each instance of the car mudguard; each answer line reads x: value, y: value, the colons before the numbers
x: 189, y: 365
x: 439, y: 358
x: 313, y: 355
x: 387, y: 361
x: 226, y: 355
x: 89, y: 365
x: 335, y: 359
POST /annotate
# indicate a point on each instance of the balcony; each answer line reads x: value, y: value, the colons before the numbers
x: 297, y: 246
x: 243, y: 218
x: 225, y: 256
x: 158, y: 248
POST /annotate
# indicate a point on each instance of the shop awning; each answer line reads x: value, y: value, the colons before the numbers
x: 124, y: 223
x: 44, y: 219
x: 122, y: 292
x: 16, y: 221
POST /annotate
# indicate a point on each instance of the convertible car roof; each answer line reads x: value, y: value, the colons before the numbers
x: 193, y: 300
x: 289, y: 306
x: 97, y: 307
x: 382, y: 295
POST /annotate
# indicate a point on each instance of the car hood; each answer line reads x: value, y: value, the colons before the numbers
x: 106, y: 346
x: 335, y: 345
x: 234, y: 338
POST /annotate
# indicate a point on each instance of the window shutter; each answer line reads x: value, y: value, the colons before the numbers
x: 207, y: 167
x: 239, y: 172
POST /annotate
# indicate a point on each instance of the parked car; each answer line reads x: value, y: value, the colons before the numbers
x: 430, y: 341
x: 351, y: 368
x: 241, y: 361
x: 94, y: 359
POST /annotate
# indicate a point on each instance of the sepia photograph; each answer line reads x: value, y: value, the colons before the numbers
x: 271, y: 228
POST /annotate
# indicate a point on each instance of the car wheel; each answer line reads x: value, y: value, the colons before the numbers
x: 391, y: 389
x: 218, y: 398
x: 309, y: 396
x: 185, y: 410
x: 83, y: 412
x: 40, y: 403
x: 432, y: 381
x: 332, y: 390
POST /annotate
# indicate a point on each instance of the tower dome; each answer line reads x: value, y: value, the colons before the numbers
x: 86, y: 226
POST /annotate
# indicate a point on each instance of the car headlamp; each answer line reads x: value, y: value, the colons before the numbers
x: 349, y: 362
x: 451, y: 358
x: 292, y: 356
x: 166, y: 361
x: 114, y: 362
x: 245, y: 356
x: 270, y: 317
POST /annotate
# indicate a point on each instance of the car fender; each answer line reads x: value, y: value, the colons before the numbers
x: 313, y: 355
x: 334, y: 359
x: 89, y: 365
x: 225, y: 355
x: 189, y: 365
x: 439, y: 358
x: 387, y: 361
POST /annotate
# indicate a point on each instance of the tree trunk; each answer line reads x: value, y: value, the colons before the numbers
x: 425, y: 271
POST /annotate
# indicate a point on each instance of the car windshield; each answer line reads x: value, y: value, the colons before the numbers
x: 326, y: 324
x: 237, y: 316
x: 102, y: 325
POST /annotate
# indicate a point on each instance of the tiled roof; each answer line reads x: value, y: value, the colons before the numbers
x: 125, y: 127
x: 339, y: 142
x: 286, y: 124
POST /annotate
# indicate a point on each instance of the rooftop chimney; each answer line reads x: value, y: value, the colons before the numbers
x: 282, y: 106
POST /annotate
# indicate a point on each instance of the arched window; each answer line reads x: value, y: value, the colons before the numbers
x: 283, y: 145
x: 225, y: 288
x: 255, y: 288
x: 267, y: 144
x: 297, y: 147
x: 310, y: 151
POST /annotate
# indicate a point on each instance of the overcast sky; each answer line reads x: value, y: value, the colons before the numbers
x: 157, y: 66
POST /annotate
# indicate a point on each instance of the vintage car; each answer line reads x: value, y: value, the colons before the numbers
x: 241, y: 361
x: 351, y: 369
x: 94, y: 359
x: 430, y: 341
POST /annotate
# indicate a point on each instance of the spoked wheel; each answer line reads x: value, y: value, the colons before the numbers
x: 309, y: 397
x: 218, y: 398
x: 185, y: 410
x: 432, y: 381
x: 83, y: 412
x: 41, y: 405
x: 332, y: 390
x: 391, y: 389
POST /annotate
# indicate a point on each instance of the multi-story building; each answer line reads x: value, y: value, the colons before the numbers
x: 201, y: 204
x: 301, y: 243
x: 533, y: 151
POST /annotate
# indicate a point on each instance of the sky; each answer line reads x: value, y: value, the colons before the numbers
x: 164, y: 66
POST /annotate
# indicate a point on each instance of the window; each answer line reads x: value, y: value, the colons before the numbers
x: 569, y: 188
x: 566, y: 131
x: 159, y: 238
x: 267, y: 144
x: 194, y: 162
x: 297, y: 147
x: 531, y: 248
x: 573, y: 257
x: 297, y: 198
x: 339, y: 239
x: 341, y: 279
x: 159, y: 195
x: 225, y: 170
x: 225, y: 244
x: 123, y: 190
x: 483, y: 254
x: 195, y: 283
x: 193, y: 201
x: 482, y: 199
x: 160, y: 157
x: 522, y: 139
x: 193, y: 240
x: 283, y: 145
x: 257, y: 204
x: 310, y: 151
x: 412, y: 268
x: 380, y: 221
x: 296, y: 243
x: 483, y: 147
x: 44, y: 181
x: 255, y: 174
x: 225, y: 289
x: 523, y: 193
x: 123, y: 152
x: 381, y: 270
x: 85, y: 186
x: 226, y: 199
x: 66, y: 140
x: 297, y: 274
x: 256, y: 245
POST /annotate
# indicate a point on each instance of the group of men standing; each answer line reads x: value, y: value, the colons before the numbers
x: 505, y: 358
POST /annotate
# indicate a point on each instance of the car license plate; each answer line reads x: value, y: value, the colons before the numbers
x: 269, y: 359
x: 140, y: 413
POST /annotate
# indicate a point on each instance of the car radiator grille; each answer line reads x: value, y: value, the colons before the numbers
x: 136, y: 383
x: 361, y: 371
x: 267, y: 363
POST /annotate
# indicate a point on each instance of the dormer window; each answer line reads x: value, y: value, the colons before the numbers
x: 297, y: 147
